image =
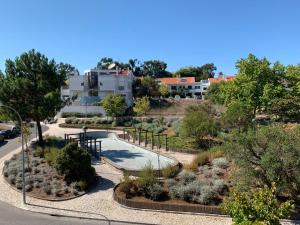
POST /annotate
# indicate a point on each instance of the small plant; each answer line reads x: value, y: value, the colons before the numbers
x: 51, y: 155
x: 66, y: 190
x: 47, y: 188
x: 28, y: 187
x: 171, y: 182
x: 170, y: 171
x: 146, y: 177
x: 155, y: 192
x: 187, y: 177
x: 36, y: 170
x: 56, y: 191
x: 36, y: 185
x: 128, y: 186
x: 19, y: 186
x: 12, y: 179
x: 218, y: 185
x: 220, y: 162
x: 83, y: 185
x: 207, y: 194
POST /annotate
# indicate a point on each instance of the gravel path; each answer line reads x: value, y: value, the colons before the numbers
x: 99, y: 202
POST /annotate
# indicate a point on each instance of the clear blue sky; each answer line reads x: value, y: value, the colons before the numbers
x: 180, y: 32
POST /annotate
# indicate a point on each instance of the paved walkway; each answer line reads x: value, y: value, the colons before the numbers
x: 99, y: 202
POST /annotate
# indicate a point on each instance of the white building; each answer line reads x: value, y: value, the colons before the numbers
x: 93, y: 86
x: 185, y: 86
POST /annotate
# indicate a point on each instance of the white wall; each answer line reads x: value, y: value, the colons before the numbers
x: 83, y: 109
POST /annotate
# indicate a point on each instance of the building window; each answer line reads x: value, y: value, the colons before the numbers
x: 82, y: 84
x: 173, y: 88
x: 190, y: 87
x: 121, y: 88
x: 197, y: 87
x: 204, y: 88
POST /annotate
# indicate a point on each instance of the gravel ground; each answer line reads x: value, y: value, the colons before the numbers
x: 99, y: 202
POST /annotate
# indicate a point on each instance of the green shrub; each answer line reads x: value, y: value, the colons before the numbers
x: 261, y: 207
x: 220, y: 162
x: 146, y: 177
x: 128, y: 186
x: 170, y: 171
x: 218, y: 185
x: 51, y: 155
x: 81, y: 115
x: 187, y: 177
x: 171, y: 182
x: 155, y: 192
x: 75, y: 164
x: 47, y: 188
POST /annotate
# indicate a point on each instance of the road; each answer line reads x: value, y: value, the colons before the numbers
x: 12, y: 144
x: 10, y: 215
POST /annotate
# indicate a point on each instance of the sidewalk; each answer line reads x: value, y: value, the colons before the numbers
x: 99, y: 202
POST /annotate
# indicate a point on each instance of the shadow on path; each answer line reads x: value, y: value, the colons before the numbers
x: 120, y: 155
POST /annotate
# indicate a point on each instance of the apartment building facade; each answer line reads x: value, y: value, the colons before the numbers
x: 188, y: 87
x: 90, y: 88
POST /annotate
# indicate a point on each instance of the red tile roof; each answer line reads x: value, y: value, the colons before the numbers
x: 177, y: 80
x: 217, y: 80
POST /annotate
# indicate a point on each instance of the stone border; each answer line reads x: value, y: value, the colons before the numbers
x: 160, y: 206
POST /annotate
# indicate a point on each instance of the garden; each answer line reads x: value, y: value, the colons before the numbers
x: 207, y: 184
x: 53, y: 170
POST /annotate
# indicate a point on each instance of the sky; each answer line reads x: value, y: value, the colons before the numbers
x: 179, y: 32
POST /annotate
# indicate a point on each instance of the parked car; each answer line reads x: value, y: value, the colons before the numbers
x: 1, y: 138
x: 6, y: 134
x: 10, y: 133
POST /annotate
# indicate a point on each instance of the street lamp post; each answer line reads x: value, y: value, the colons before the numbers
x: 23, y: 153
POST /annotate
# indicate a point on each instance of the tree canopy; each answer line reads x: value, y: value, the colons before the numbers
x: 259, y: 208
x: 141, y: 106
x: 200, y: 72
x: 114, y: 105
x: 198, y: 124
x: 145, y: 86
x: 31, y: 85
x: 262, y: 87
x: 267, y: 155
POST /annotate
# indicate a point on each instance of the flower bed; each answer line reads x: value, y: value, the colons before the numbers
x: 200, y: 190
x: 45, y: 171
x: 171, y: 205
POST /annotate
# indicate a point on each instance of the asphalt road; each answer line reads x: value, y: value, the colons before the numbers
x: 10, y: 215
x: 11, y: 144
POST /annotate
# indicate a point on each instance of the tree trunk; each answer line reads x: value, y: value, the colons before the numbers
x: 40, y: 132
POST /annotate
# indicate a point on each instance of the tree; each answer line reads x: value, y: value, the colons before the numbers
x: 32, y: 86
x: 104, y: 63
x: 155, y: 68
x: 267, y: 155
x: 114, y: 105
x: 198, y: 124
x: 253, y: 74
x: 145, y: 86
x: 164, y: 90
x: 200, y: 72
x: 141, y: 106
x: 238, y: 115
x: 259, y: 208
x: 136, y: 67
